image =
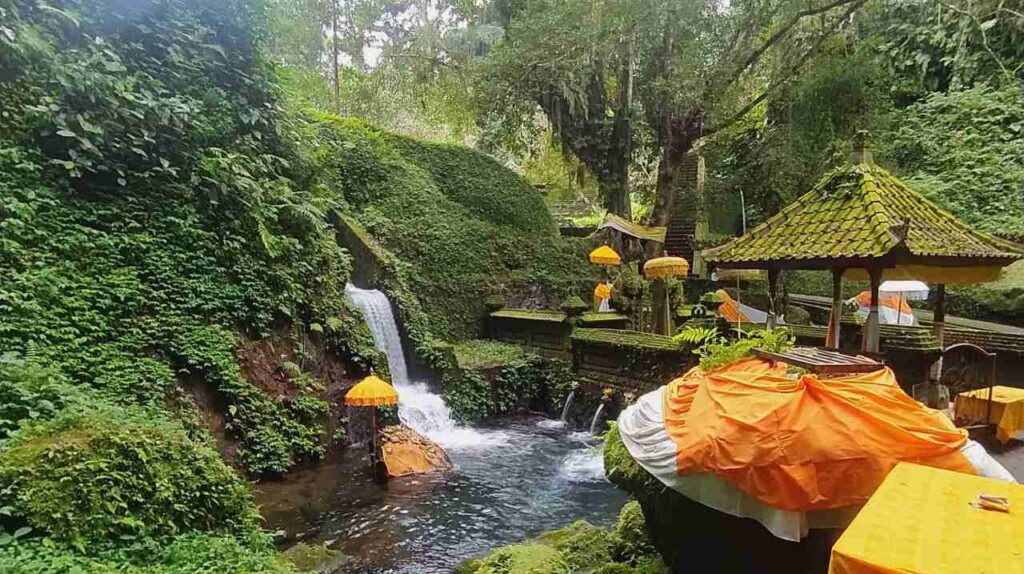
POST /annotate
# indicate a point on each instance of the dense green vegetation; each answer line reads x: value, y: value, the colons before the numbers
x: 494, y: 379
x: 460, y: 225
x: 150, y: 217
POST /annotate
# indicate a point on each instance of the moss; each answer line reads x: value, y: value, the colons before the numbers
x: 523, y: 559
x: 407, y: 193
x: 631, y: 532
x: 621, y: 468
x: 530, y: 315
x: 468, y: 566
x: 480, y: 354
x: 583, y: 545
x: 634, y: 339
x: 314, y: 557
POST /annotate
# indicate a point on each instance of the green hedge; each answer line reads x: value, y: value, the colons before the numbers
x: 460, y: 225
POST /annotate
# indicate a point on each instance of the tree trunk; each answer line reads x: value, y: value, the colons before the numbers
x: 614, y: 192
x: 680, y: 133
x: 334, y: 56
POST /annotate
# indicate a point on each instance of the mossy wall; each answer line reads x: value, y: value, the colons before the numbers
x: 460, y: 225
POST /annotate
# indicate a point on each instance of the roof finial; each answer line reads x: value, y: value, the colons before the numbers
x: 861, y: 148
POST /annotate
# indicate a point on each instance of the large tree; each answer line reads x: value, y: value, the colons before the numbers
x: 602, y: 69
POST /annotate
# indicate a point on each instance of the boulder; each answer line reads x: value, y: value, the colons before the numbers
x: 406, y: 452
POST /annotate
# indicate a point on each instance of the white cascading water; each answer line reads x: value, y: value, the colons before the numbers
x: 424, y: 411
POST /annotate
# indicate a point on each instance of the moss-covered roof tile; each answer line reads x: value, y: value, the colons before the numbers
x: 857, y: 211
x: 530, y: 314
x: 621, y: 338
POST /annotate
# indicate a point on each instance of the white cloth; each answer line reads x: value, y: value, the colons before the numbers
x: 642, y: 428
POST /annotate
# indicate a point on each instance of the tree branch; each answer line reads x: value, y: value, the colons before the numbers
x: 788, y: 75
x: 782, y: 32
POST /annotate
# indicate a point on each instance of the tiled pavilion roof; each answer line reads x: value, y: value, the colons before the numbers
x: 858, y: 214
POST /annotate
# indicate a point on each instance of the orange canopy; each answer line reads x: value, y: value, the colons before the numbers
x: 371, y: 392
x: 895, y: 301
x: 729, y: 309
x: 803, y: 444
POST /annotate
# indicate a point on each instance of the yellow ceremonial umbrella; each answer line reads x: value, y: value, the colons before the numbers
x: 373, y: 392
x: 605, y: 255
x: 667, y: 266
x: 659, y: 269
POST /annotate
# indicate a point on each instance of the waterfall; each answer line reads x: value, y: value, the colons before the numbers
x: 568, y: 403
x: 597, y: 419
x: 418, y: 407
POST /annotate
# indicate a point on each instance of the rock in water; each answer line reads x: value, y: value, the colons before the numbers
x: 408, y: 452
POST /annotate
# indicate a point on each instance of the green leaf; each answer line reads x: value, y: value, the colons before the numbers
x: 22, y: 531
x: 67, y: 133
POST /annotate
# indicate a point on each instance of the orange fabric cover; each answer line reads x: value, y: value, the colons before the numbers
x: 891, y: 300
x: 729, y: 310
x: 803, y: 444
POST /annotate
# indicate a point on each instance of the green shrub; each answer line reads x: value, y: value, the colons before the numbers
x: 93, y: 479
x: 186, y: 554
x: 30, y: 392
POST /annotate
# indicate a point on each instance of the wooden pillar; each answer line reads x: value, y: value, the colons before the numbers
x: 773, y: 294
x: 939, y: 328
x: 660, y: 306
x: 837, y: 308
x: 871, y: 329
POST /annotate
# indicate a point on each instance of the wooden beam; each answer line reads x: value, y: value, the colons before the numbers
x: 837, y: 309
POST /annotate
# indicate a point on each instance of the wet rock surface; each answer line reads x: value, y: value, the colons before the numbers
x: 408, y: 452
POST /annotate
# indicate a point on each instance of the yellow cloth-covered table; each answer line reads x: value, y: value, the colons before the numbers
x: 1007, y: 409
x: 919, y: 521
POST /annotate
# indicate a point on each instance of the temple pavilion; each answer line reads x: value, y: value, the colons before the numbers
x: 862, y: 223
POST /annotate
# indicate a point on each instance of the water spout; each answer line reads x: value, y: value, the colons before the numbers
x: 597, y: 419
x: 568, y: 403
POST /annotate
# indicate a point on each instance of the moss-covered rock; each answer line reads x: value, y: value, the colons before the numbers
x: 584, y: 546
x: 632, y: 538
x: 580, y: 547
x: 523, y: 559
x: 314, y: 557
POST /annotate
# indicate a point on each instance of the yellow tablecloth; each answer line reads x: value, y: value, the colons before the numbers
x: 1007, y: 409
x: 919, y: 522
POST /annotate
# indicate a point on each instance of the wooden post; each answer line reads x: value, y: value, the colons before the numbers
x: 773, y: 293
x: 871, y: 329
x: 660, y: 306
x: 837, y: 308
x: 939, y: 328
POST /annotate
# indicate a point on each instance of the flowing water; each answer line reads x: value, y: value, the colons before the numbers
x: 568, y: 404
x: 511, y: 481
x: 597, y: 419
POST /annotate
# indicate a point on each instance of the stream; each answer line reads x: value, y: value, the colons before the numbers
x: 511, y: 480
x: 522, y: 480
